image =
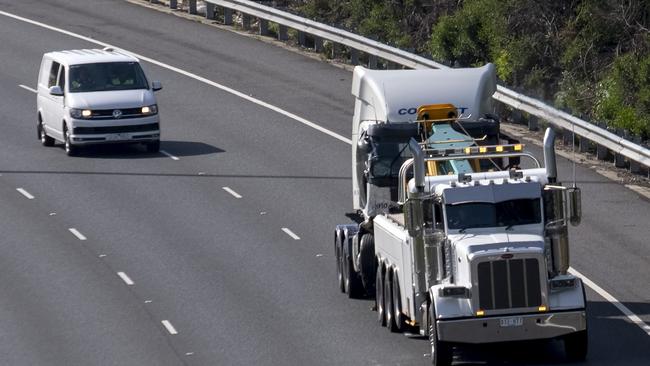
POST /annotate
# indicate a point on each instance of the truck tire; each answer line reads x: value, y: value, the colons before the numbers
x: 338, y: 250
x: 353, y: 285
x: 388, y: 296
x: 367, y: 263
x: 441, y: 352
x: 379, y: 297
x: 575, y: 346
x: 400, y: 319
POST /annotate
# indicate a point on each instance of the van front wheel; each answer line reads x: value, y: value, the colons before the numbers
x: 45, y: 139
x: 70, y: 149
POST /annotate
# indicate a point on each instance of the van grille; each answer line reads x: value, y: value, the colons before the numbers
x: 115, y: 129
x: 511, y: 283
x: 124, y: 113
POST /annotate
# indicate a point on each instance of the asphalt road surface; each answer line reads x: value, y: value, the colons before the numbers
x: 223, y: 255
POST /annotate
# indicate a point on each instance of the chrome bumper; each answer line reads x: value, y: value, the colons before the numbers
x: 534, y: 326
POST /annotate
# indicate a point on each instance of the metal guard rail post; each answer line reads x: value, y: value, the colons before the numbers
x: 560, y: 119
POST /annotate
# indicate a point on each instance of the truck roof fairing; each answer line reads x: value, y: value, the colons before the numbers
x: 394, y: 95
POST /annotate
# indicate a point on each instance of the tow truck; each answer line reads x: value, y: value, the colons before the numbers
x: 466, y: 249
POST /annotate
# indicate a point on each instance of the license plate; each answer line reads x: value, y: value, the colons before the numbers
x: 511, y: 322
x: 117, y: 136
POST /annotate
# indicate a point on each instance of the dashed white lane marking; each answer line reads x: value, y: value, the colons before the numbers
x: 170, y: 327
x: 290, y: 233
x: 76, y: 233
x: 607, y: 296
x: 234, y: 92
x: 191, y: 75
x: 233, y: 193
x: 169, y: 155
x: 126, y: 278
x: 27, y: 88
x: 25, y: 193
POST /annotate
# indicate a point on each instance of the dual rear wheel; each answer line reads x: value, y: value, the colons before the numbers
x: 388, y: 298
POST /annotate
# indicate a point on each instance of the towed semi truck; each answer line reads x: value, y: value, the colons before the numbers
x: 453, y: 243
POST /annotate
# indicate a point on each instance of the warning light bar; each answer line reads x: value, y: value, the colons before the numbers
x: 476, y: 150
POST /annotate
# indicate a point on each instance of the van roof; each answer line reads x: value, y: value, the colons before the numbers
x: 89, y: 56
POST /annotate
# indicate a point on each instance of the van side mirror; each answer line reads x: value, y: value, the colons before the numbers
x: 574, y: 200
x: 156, y: 85
x: 56, y: 91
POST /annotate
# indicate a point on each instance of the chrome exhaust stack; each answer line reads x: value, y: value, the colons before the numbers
x: 549, y: 155
x: 413, y: 215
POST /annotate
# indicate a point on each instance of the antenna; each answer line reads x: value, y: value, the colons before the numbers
x: 573, y: 150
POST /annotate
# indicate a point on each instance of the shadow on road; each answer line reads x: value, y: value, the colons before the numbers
x: 613, y: 340
x: 137, y: 151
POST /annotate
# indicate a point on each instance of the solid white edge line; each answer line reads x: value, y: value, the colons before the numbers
x: 620, y: 306
x: 27, y: 88
x: 188, y: 74
x: 76, y: 233
x: 607, y: 296
x: 25, y: 193
x: 169, y: 155
x: 170, y: 328
x: 232, y: 192
x: 290, y: 233
x: 126, y: 278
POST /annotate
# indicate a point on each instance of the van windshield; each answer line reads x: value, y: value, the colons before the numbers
x: 106, y: 76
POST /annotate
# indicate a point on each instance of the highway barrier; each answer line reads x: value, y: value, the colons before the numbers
x: 607, y: 144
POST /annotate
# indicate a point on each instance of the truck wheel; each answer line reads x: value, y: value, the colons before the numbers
x: 400, y: 320
x: 379, y: 298
x: 441, y: 352
x: 388, y: 296
x: 45, y: 139
x: 575, y: 345
x: 338, y: 249
x: 367, y: 262
x: 353, y: 286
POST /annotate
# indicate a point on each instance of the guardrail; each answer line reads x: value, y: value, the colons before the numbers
x: 604, y: 140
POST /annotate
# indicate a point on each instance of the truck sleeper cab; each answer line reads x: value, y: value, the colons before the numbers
x: 93, y: 96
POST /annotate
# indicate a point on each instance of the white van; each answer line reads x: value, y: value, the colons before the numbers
x: 95, y: 97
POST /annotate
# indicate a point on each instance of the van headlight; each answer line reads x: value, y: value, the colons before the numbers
x: 80, y: 113
x: 150, y: 109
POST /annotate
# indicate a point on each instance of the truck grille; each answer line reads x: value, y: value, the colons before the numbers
x: 511, y: 283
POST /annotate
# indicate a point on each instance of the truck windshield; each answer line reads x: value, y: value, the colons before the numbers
x: 469, y: 215
x: 388, y: 158
x: 106, y: 76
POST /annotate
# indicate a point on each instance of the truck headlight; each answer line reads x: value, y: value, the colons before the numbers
x: 80, y: 113
x: 454, y: 291
x: 150, y: 109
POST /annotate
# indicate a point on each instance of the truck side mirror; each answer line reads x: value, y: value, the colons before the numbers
x: 156, y: 85
x: 56, y: 91
x: 574, y: 200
